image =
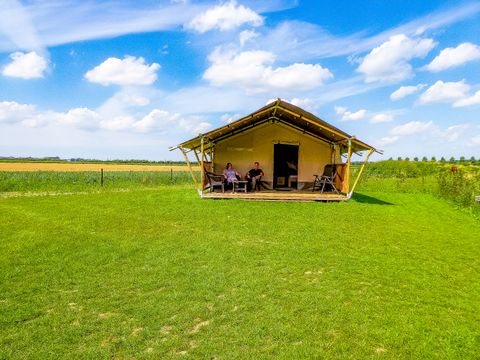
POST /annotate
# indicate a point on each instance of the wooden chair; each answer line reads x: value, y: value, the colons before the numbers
x: 328, y: 177
x: 215, y: 180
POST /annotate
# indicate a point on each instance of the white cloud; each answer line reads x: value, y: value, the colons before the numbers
x: 195, y: 124
x: 26, y: 65
x: 452, y: 57
x: 38, y: 120
x: 445, y: 92
x: 299, y: 40
x: 253, y: 71
x: 349, y: 115
x: 381, y: 118
x: 305, y: 103
x: 226, y: 16
x: 468, y: 101
x: 118, y: 123
x: 229, y: 118
x: 158, y: 120
x: 404, y: 91
x: 164, y: 121
x: 389, y: 61
x: 17, y: 27
x: 475, y: 140
x: 41, y: 24
x: 388, y: 140
x: 410, y: 128
x: 127, y: 71
x: 247, y: 35
x: 82, y: 118
x: 453, y: 133
x: 11, y: 111
x: 87, y: 119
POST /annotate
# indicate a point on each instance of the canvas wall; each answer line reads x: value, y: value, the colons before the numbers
x: 257, y: 145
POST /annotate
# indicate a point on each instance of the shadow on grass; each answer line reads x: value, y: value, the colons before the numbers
x: 365, y: 199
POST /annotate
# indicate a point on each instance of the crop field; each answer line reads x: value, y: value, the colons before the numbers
x: 143, y: 268
x: 82, y: 167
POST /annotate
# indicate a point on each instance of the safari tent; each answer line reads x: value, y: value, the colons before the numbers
x: 293, y: 147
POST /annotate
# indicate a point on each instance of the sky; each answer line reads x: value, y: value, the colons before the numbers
x: 129, y: 79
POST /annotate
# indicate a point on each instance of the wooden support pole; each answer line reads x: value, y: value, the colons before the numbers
x: 349, y: 158
x: 202, y: 167
x: 189, y: 167
x: 196, y: 156
x: 360, y: 172
x: 212, y: 158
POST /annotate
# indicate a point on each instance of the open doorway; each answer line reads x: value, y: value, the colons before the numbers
x: 285, y: 166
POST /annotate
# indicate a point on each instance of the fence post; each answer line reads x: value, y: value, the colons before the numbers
x: 171, y: 174
x: 101, y: 176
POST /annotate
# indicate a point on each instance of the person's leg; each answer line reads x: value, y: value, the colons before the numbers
x: 254, y: 183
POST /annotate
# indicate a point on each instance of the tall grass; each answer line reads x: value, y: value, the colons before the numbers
x: 459, y: 184
x: 88, y: 181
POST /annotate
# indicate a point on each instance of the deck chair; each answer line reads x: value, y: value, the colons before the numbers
x: 327, y: 178
x: 215, y: 180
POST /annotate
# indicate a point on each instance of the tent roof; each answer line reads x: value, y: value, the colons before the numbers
x: 283, y: 112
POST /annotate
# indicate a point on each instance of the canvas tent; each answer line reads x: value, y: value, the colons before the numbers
x: 289, y: 142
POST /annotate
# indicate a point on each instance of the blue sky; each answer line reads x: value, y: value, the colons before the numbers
x: 128, y: 79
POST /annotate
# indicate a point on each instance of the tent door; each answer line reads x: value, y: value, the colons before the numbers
x: 285, y: 165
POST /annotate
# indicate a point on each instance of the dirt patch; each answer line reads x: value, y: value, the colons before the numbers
x: 136, y: 331
x: 200, y: 324
x: 108, y: 341
x: 106, y: 315
x: 166, y: 329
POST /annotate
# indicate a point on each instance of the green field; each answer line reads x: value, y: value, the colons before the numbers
x: 155, y: 272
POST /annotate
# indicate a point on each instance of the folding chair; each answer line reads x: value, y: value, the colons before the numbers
x: 328, y: 177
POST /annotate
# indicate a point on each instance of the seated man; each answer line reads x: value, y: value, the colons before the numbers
x: 255, y: 175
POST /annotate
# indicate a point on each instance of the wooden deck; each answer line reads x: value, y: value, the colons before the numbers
x: 294, y: 195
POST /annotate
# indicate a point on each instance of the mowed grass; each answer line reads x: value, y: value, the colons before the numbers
x: 164, y: 274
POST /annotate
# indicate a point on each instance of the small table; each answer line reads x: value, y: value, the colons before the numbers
x: 292, y: 178
x: 240, y: 185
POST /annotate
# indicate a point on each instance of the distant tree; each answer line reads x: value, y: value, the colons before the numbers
x: 452, y: 160
x: 415, y: 158
x: 472, y: 159
x: 390, y: 158
x: 462, y: 159
x: 424, y: 158
x: 399, y: 158
x: 442, y: 160
x: 407, y: 159
x: 433, y: 159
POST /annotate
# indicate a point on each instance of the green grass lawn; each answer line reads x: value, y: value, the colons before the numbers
x: 163, y: 274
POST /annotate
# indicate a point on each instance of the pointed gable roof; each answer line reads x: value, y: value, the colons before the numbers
x: 283, y: 112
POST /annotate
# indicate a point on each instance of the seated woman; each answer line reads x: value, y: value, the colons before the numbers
x: 230, y: 175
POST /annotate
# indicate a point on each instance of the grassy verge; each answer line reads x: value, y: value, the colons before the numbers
x: 163, y: 274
